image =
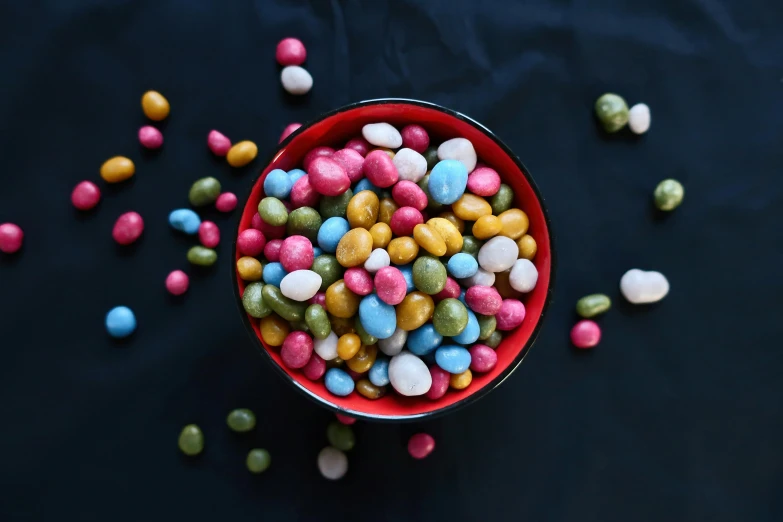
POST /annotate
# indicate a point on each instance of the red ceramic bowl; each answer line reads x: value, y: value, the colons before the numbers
x: 336, y: 128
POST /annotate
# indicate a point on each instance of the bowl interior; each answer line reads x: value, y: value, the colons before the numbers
x: 337, y: 128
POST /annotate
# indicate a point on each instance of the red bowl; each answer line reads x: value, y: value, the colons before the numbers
x: 334, y: 129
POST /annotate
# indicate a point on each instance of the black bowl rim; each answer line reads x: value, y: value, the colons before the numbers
x: 497, y: 381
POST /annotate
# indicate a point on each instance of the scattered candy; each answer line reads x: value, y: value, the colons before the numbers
x: 639, y: 118
x: 86, y: 195
x: 258, y: 460
x: 332, y: 463
x: 242, y: 153
x: 290, y: 51
x: 155, y: 106
x: 241, y: 420
x: 592, y: 305
x: 289, y: 129
x: 612, y: 112
x: 204, y: 191
x: 209, y: 234
x: 226, y: 202
x: 116, y: 169
x: 340, y: 436
x: 345, y: 419
x: 120, y: 322
x: 128, y: 228
x: 185, y: 220
x: 150, y: 137
x: 191, y: 440
x: 420, y: 445
x: 585, y: 334
x: 177, y: 282
x: 202, y: 256
x: 296, y: 80
x: 11, y: 237
x: 668, y: 194
x: 218, y: 143
x: 641, y: 287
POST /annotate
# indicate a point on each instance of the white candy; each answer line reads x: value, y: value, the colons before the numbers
x: 639, y: 286
x: 523, y: 276
x: 377, y: 260
x: 393, y: 345
x: 332, y: 463
x: 498, y: 254
x: 409, y: 375
x: 382, y: 135
x: 300, y: 285
x: 459, y: 149
x: 410, y: 165
x: 480, y: 278
x: 639, y: 118
x: 296, y: 80
x: 326, y: 348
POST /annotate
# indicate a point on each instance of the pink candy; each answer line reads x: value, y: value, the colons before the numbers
x: 270, y: 231
x: 11, y: 237
x: 290, y: 128
x: 85, y: 195
x: 272, y: 250
x: 485, y: 300
x: 209, y: 234
x: 226, y: 202
x: 360, y: 145
x: 296, y: 254
x: 328, y: 177
x: 315, y: 368
x: 177, y: 282
x: 415, y: 137
x: 510, y: 315
x: 303, y: 194
x: 404, y: 220
x: 408, y: 194
x: 379, y: 169
x: 358, y: 280
x: 482, y: 358
x: 150, y: 137
x: 297, y: 350
x: 421, y: 445
x: 484, y: 181
x: 440, y: 382
x: 585, y: 334
x: 251, y: 242
x: 316, y: 153
x: 351, y: 161
x: 451, y: 290
x: 319, y: 299
x: 290, y: 51
x: 218, y: 143
x: 127, y: 228
x: 390, y: 285
x: 345, y: 419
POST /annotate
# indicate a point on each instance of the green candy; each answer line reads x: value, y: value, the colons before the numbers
x: 429, y: 275
x: 318, y: 321
x: 424, y: 184
x: 304, y: 221
x: 300, y: 326
x: 202, y: 256
x: 503, y: 200
x: 335, y: 206
x: 450, y: 317
x: 253, y: 301
x: 258, y: 460
x: 471, y: 245
x: 612, y: 112
x: 366, y: 338
x: 330, y: 270
x: 241, y: 420
x: 191, y: 440
x: 340, y: 436
x: 493, y: 341
x: 204, y: 192
x: 593, y: 304
x: 431, y: 155
x: 487, y: 326
x: 286, y: 308
x: 272, y: 211
x: 668, y: 194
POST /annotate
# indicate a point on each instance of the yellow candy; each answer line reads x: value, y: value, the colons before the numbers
x: 381, y: 235
x: 486, y: 227
x: 415, y: 310
x: 340, y: 301
x: 348, y: 345
x: 354, y: 248
x: 503, y: 286
x: 527, y: 247
x: 457, y: 222
x: 402, y: 250
x: 449, y: 233
x: 274, y: 330
x: 515, y: 223
x: 155, y: 106
x: 429, y: 240
x: 242, y: 153
x: 363, y: 359
x: 362, y: 211
x: 342, y: 325
x: 249, y: 268
x: 387, y: 208
x: 471, y: 207
x: 460, y: 381
x: 369, y: 390
x: 116, y: 169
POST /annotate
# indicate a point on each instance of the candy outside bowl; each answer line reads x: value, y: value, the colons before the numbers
x: 334, y: 129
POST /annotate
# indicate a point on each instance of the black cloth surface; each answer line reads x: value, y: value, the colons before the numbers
x: 676, y: 415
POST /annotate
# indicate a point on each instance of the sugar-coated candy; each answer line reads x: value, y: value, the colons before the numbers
x: 382, y: 135
x: 523, y: 276
x: 484, y: 181
x: 128, y: 228
x: 338, y: 382
x: 290, y: 51
x: 326, y: 348
x: 510, y: 315
x: 414, y: 310
x: 86, y: 195
x: 592, y: 305
x: 11, y: 237
x: 482, y: 358
x: 411, y: 166
x: 378, y: 318
x: 296, y: 350
x: 218, y: 143
x: 296, y: 80
x: 447, y: 181
x: 440, y: 382
x: 226, y: 202
x: 289, y: 129
x: 409, y: 375
x: 450, y: 317
x: 258, y: 460
x: 612, y: 112
x: 117, y: 169
x: 296, y: 253
x: 639, y: 118
x: 458, y: 149
x: 155, y: 106
x: 278, y: 184
x: 462, y: 265
x: 120, y: 322
x: 300, y: 285
x: 351, y: 161
x: 379, y: 258
x: 379, y: 169
x: 315, y: 368
x: 209, y: 234
x: 641, y: 287
x: 241, y: 420
x: 394, y: 344
x: 331, y: 232
x: 177, y: 282
x: 191, y: 440
x: 274, y: 274
x: 150, y: 137
x: 379, y: 373
x: 242, y: 153
x: 328, y: 177
x: 415, y: 137
x: 498, y: 254
x: 421, y: 445
x: 332, y: 463
x: 424, y: 340
x: 471, y: 332
x: 585, y: 334
x: 452, y: 358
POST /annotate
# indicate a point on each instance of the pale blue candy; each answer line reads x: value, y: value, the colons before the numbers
x: 407, y: 273
x: 364, y: 184
x: 448, y: 180
x: 278, y: 184
x: 185, y: 220
x: 273, y: 274
x: 331, y: 232
x: 120, y: 322
x: 317, y: 252
x: 295, y: 175
x: 453, y: 359
x: 462, y: 297
x: 462, y: 265
x: 338, y: 382
x: 378, y: 318
x: 471, y: 332
x: 379, y: 373
x: 424, y: 340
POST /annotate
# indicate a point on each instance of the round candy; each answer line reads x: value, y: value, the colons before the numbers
x: 390, y: 285
x: 11, y: 237
x: 592, y: 305
x: 345, y: 419
x: 378, y: 259
x: 241, y: 420
x: 191, y: 440
x: 278, y: 184
x: 362, y: 210
x: 209, y: 234
x: 424, y: 340
x: 271, y: 250
x: 204, y: 191
x: 510, y: 315
x: 85, y: 195
x: 340, y: 436
x: 326, y: 348
x: 409, y: 194
x: 471, y: 207
x: 150, y: 137
x: 354, y: 248
x: 484, y: 181
x: 668, y: 194
x: 453, y: 359
x: 612, y: 112
x: 328, y: 177
x: 332, y: 463
x: 481, y: 278
x: 258, y: 460
x: 378, y: 318
x: 523, y: 276
x: 404, y: 220
x: 251, y: 242
x: 415, y: 137
x: 338, y: 382
x: 253, y: 302
x: 498, y: 254
x: 449, y: 233
x: 379, y: 373
x: 440, y: 382
x: 289, y: 129
x: 290, y: 51
x: 296, y: 350
x: 300, y: 285
x: 226, y: 202
x: 218, y: 143
x: 155, y: 106
x: 358, y: 144
x: 527, y: 247
x: 585, y: 334
x: 296, y: 80
x: 315, y: 368
x: 411, y: 166
x: 335, y: 206
x: 321, y: 151
x: 358, y: 280
x: 415, y: 310
x: 177, y: 282
x: 382, y: 135
x: 447, y: 181
x: 242, y: 153
x: 303, y: 194
x: 120, y: 322
x: 450, y: 317
x: 639, y: 118
x: 451, y: 289
x: 340, y: 301
x: 328, y: 268
x: 116, y: 169
x: 408, y: 375
x: 379, y: 169
x: 482, y: 358
x: 486, y: 227
x: 296, y: 254
x: 503, y: 200
x: 331, y: 232
x: 471, y: 332
x: 420, y: 445
x: 127, y: 228
x: 458, y: 149
x: 249, y: 268
x: 429, y: 275
x: 460, y: 381
x: 514, y: 223
x: 304, y: 221
x: 351, y: 161
x: 428, y: 239
x: 462, y: 266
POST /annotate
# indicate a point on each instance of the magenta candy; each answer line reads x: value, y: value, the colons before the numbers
x: 585, y: 334
x: 379, y: 169
x: 315, y: 153
x: 290, y: 51
x: 270, y: 231
x: 345, y: 419
x: 482, y: 358
x: 390, y: 285
x: 319, y: 299
x: 485, y: 300
x: 251, y: 242
x: 303, y: 194
x: 272, y: 250
x: 297, y: 350
x: 404, y: 220
x: 127, y: 228
x: 358, y: 280
x: 11, y: 237
x: 226, y: 202
x: 409, y: 194
x: 351, y: 161
x: 421, y: 445
x: 360, y: 145
x: 290, y: 128
x: 440, y: 382
x: 209, y: 234
x: 415, y: 137
x: 451, y: 290
x: 150, y: 137
x: 315, y: 367
x: 328, y: 177
x: 85, y: 195
x: 296, y: 254
x: 256, y: 222
x: 218, y: 143
x: 484, y: 181
x: 510, y: 315
x: 177, y: 282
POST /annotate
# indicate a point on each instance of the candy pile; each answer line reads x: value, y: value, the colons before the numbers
x: 291, y: 54
x: 405, y: 249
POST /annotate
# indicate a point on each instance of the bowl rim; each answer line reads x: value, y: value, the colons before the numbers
x: 470, y: 399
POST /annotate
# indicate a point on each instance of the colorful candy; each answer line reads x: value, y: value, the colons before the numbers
x: 116, y: 169
x: 642, y: 287
x: 241, y: 420
x: 289, y: 129
x: 242, y: 153
x: 85, y: 195
x: 668, y: 194
x: 11, y: 237
x: 612, y: 112
x: 218, y: 143
x: 191, y: 440
x: 120, y: 322
x: 592, y: 305
x: 150, y: 137
x: 226, y: 202
x: 202, y: 256
x: 155, y: 106
x: 300, y: 285
x: 204, y: 191
x: 585, y: 334
x: 421, y: 445
x: 177, y: 282
x: 258, y: 460
x: 332, y: 463
x: 296, y: 80
x: 639, y: 118
x: 409, y: 375
x: 290, y: 51
x: 209, y: 234
x: 128, y: 228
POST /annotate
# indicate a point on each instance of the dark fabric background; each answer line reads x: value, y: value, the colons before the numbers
x: 676, y: 416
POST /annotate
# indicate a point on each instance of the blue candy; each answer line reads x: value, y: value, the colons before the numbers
x: 364, y: 184
x: 273, y: 274
x: 471, y: 332
x: 120, y: 322
x: 462, y: 297
x: 331, y: 232
x: 379, y: 373
x: 448, y: 180
x: 317, y: 252
x: 338, y: 382
x: 407, y: 273
x: 278, y: 184
x: 424, y: 340
x: 453, y: 359
x: 378, y: 318
x: 295, y: 175
x: 185, y: 220
x: 462, y: 265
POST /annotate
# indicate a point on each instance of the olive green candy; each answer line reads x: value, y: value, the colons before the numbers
x: 304, y: 221
x: 429, y: 275
x: 202, y: 256
x: 493, y: 341
x: 366, y: 338
x: 318, y: 321
x: 330, y: 270
x: 593, y: 304
x: 241, y: 420
x: 299, y: 326
x: 612, y: 112
x: 335, y: 206
x: 191, y: 440
x: 258, y: 460
x: 487, y: 326
x: 273, y: 212
x: 424, y: 184
x: 340, y: 436
x: 471, y: 245
x: 502, y: 200
x: 668, y: 194
x: 450, y: 317
x: 204, y: 192
x: 253, y: 301
x: 286, y: 308
x: 431, y: 155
